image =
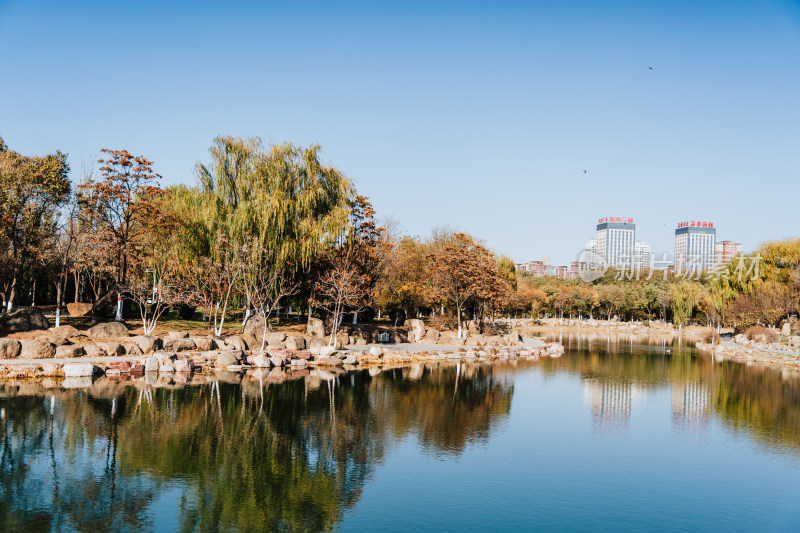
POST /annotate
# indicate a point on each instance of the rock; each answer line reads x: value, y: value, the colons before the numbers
x: 255, y: 326
x: 235, y: 342
x: 375, y: 351
x: 65, y: 331
x: 121, y: 366
x: 431, y: 336
x: 51, y: 369
x: 79, y: 370
x: 301, y: 363
x: 166, y: 368
x: 537, y: 342
x: 202, y: 344
x: 794, y: 341
x: 55, y: 340
x: 108, y: 330
x: 111, y: 348
x: 295, y: 342
x: 262, y: 361
x: 329, y: 361
x: 183, y: 365
x: 315, y: 327
x: 327, y: 351
x: 513, y: 338
x: 277, y: 361
x: 151, y: 364
x: 70, y: 350
x: 228, y: 358
x: 79, y: 309
x: 475, y: 341
x: 360, y: 341
x: 36, y: 349
x: 276, y: 338
x: 179, y: 345
x: 24, y: 320
x: 349, y: 359
x: 251, y: 342
x: 316, y: 343
x: 342, y: 339
x: 132, y: 349
x: 93, y: 350
x: 137, y: 368
x: 147, y: 343
x: 9, y: 348
x: 786, y: 329
x: 415, y: 328
x: 177, y: 335
x: 77, y: 383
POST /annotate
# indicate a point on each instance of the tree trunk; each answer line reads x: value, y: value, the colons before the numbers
x: 458, y: 313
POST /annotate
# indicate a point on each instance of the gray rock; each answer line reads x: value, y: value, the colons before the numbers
x: 316, y: 343
x: 261, y: 361
x: 166, y: 368
x: 226, y: 359
x: 255, y: 326
x: 202, y: 344
x: 111, y: 348
x: 236, y: 343
x: 432, y: 336
x: 327, y: 351
x: 151, y: 364
x: 298, y: 363
x: 786, y: 329
x: 132, y: 349
x: 93, y: 350
x: 36, y: 349
x: 56, y: 340
x: 179, y: 345
x: 183, y: 365
x: 295, y: 342
x: 147, y: 343
x: 415, y: 328
x: 252, y: 343
x: 108, y: 330
x: 24, y: 320
x: 277, y: 361
x: 65, y: 331
x: 349, y: 359
x: 79, y: 370
x: 315, y: 327
x: 375, y: 351
x: 70, y: 350
x: 9, y: 348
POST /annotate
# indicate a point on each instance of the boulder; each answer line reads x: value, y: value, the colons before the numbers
x: 108, y: 330
x: 342, y: 338
x: 349, y: 359
x: 315, y: 327
x: 235, y: 342
x: 132, y: 349
x: 316, y: 343
x: 79, y: 370
x: 329, y: 361
x: 151, y: 364
x: 261, y: 361
x: 202, y: 344
x: 24, y: 320
x: 295, y: 342
x: 79, y: 309
x: 111, y: 348
x: 179, y: 345
x: 9, y: 348
x: 327, y: 351
x: 228, y: 358
x: 276, y: 338
x: 106, y: 306
x: 251, y: 342
x: 70, y: 350
x: 537, y: 342
x: 56, y: 340
x: 431, y: 336
x: 36, y: 349
x: 786, y: 329
x: 166, y: 368
x: 415, y: 328
x: 255, y: 326
x: 375, y: 351
x: 277, y: 361
x: 93, y: 350
x: 65, y: 331
x: 147, y: 343
x: 794, y: 341
x: 121, y: 366
x: 177, y: 335
x: 183, y: 365
x: 298, y: 363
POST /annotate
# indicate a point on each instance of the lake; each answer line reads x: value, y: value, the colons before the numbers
x: 612, y: 436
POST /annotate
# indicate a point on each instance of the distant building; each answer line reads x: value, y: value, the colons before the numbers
x: 727, y: 250
x: 536, y: 269
x: 642, y: 255
x: 561, y: 271
x: 576, y: 267
x: 615, y: 241
x: 695, y: 246
x: 591, y: 246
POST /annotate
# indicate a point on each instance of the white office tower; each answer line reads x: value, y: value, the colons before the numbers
x: 615, y: 241
x: 695, y: 247
x: 642, y: 251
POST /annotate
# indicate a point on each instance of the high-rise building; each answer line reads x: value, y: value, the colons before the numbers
x: 536, y: 269
x: 615, y: 241
x: 727, y: 250
x: 642, y: 255
x: 561, y: 271
x: 695, y: 246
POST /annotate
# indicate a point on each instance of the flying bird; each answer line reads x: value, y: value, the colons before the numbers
x: 651, y: 68
x: 584, y: 172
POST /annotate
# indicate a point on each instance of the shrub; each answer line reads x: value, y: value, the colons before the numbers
x: 712, y: 337
x: 761, y: 334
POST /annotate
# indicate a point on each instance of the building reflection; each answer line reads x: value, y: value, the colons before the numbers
x: 612, y: 401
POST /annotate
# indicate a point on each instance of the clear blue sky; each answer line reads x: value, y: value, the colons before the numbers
x: 480, y: 116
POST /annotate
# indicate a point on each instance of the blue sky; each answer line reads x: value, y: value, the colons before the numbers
x: 480, y: 116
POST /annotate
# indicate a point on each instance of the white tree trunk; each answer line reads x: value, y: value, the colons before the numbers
x: 119, y: 309
x: 58, y: 316
x: 355, y: 317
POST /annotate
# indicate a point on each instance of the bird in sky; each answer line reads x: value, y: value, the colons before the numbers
x: 651, y: 68
x: 584, y: 172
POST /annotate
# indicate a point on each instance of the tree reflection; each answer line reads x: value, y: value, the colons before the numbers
x: 258, y: 455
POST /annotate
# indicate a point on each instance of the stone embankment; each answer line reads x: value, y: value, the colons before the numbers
x: 784, y: 352
x: 109, y: 349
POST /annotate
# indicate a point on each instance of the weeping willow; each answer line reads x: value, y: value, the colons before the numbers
x: 277, y: 207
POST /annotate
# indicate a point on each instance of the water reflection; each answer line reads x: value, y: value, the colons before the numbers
x: 251, y: 454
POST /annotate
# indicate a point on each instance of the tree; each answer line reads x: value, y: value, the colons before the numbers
x: 119, y: 205
x: 32, y: 188
x: 341, y: 285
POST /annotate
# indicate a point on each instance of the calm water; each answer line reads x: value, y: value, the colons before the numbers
x: 612, y: 436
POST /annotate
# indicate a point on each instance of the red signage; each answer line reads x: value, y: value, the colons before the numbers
x: 695, y: 224
x: 623, y: 220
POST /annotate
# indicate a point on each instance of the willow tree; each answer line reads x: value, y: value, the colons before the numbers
x: 280, y: 205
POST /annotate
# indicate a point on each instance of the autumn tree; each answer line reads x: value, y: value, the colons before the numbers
x: 32, y: 188
x: 119, y: 206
